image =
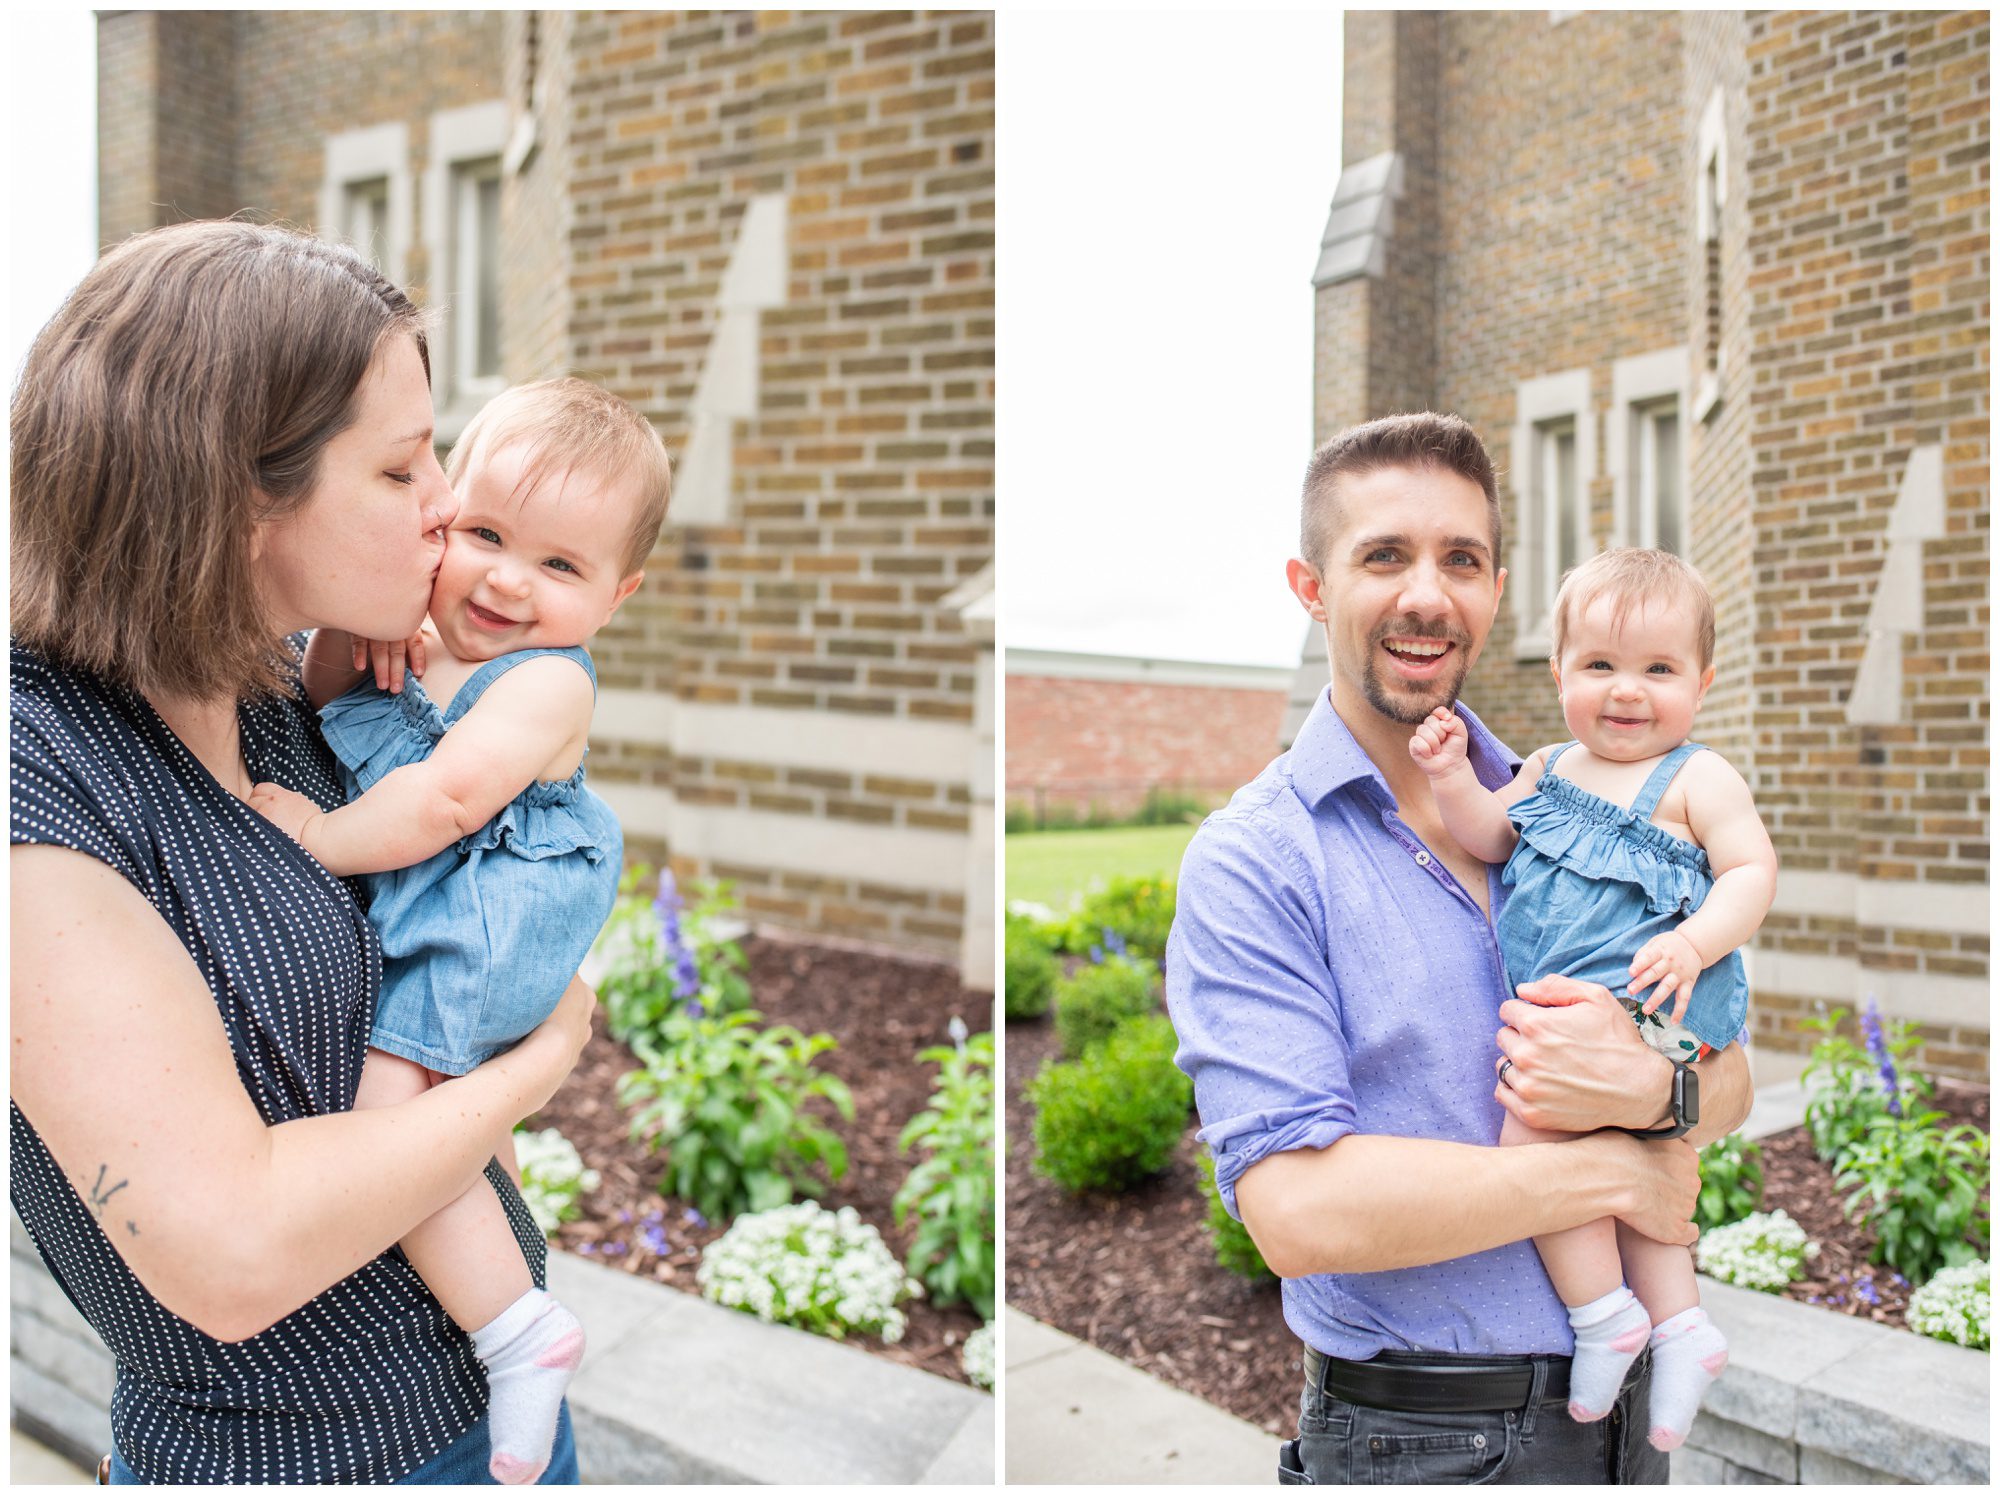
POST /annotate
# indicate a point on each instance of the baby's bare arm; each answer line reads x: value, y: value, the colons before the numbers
x: 1475, y: 816
x: 1724, y: 820
x: 524, y: 722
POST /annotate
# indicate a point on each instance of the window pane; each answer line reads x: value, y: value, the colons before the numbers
x: 1569, y: 539
x: 1668, y: 532
x: 487, y: 359
x: 367, y: 218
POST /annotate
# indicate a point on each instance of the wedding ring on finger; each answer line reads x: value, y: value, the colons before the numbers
x: 1505, y: 1065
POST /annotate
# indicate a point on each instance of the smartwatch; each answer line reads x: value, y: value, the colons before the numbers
x: 1686, y: 1106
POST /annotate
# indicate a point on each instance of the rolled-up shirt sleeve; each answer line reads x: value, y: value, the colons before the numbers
x: 1253, y: 1002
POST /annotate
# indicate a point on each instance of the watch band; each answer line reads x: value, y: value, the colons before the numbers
x: 1684, y: 1103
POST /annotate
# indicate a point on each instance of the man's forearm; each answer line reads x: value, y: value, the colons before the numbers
x: 1374, y: 1204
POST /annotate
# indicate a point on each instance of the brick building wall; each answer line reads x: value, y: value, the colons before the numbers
x: 1081, y: 743
x: 1847, y: 301
x: 790, y: 700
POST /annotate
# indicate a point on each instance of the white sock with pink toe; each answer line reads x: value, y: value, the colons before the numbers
x: 530, y: 1352
x: 1610, y: 1332
x: 1689, y: 1352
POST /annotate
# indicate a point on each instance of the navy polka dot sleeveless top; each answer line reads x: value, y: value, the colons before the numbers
x: 371, y: 1379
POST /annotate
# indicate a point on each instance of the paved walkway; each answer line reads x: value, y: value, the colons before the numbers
x: 28, y: 1463
x: 1076, y: 1415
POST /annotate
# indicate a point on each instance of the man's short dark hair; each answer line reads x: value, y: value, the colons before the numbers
x: 1423, y: 439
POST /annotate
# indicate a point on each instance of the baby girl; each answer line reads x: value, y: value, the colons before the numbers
x: 1637, y: 861
x: 489, y: 866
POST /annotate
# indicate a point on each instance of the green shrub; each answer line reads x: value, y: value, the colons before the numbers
x: 1916, y: 1186
x: 1234, y: 1250
x: 726, y: 1099
x: 951, y: 1191
x: 1114, y: 1116
x: 1032, y: 969
x: 1095, y: 1000
x: 1732, y: 1182
x: 1139, y: 910
x: 1957, y: 1305
x: 1847, y: 1087
x: 664, y: 953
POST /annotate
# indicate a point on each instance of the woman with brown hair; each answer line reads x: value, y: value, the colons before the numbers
x: 224, y: 438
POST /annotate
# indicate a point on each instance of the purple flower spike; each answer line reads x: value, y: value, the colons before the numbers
x: 1878, y: 1050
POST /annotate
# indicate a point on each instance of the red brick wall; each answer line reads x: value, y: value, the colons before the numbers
x: 1105, y: 743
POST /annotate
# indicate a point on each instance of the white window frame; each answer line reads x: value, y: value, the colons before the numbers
x: 459, y: 139
x: 1711, y: 158
x: 379, y: 153
x: 1538, y: 405
x: 1639, y: 386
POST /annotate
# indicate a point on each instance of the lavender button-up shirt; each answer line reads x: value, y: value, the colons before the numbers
x: 1328, y: 975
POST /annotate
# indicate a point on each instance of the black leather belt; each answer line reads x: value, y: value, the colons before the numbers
x: 1404, y: 1381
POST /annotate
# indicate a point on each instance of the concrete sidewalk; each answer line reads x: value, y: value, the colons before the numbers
x: 1076, y: 1415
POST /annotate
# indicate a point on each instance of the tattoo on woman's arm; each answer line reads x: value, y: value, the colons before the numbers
x: 101, y: 1196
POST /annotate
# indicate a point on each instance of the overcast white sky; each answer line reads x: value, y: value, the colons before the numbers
x: 1164, y: 179
x: 52, y: 163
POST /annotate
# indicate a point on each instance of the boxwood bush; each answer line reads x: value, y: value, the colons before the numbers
x: 1032, y: 969
x: 1094, y: 1001
x: 1114, y: 1116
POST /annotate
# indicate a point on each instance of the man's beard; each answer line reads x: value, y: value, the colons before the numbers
x: 1408, y: 702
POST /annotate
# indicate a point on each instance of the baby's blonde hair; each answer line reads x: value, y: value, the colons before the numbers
x: 571, y: 424
x: 1630, y: 575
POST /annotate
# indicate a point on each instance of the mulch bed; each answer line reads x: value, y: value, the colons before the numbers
x: 884, y: 1011
x: 1135, y: 1274
x: 1841, y: 1277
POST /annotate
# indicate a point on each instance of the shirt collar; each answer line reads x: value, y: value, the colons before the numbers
x: 1325, y: 758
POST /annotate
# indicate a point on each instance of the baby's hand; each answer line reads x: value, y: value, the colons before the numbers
x: 386, y: 659
x: 1671, y: 960
x: 1440, y: 743
x: 287, y: 810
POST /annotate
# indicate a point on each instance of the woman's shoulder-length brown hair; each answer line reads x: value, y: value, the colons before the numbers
x: 184, y: 392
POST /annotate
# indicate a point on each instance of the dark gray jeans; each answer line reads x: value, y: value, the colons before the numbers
x: 1536, y: 1444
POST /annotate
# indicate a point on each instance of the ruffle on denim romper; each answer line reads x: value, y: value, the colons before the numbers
x: 1576, y: 829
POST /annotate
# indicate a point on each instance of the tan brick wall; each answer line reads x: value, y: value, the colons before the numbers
x: 1105, y: 744
x: 1575, y: 207
x: 866, y: 480
x: 306, y: 75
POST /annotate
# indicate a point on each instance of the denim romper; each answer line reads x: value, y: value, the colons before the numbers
x: 480, y: 941
x: 1593, y: 882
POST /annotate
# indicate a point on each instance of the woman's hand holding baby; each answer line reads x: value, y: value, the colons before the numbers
x: 1440, y: 743
x: 540, y: 1062
x: 1671, y: 960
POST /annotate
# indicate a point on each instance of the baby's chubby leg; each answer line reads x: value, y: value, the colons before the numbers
x: 1609, y: 1321
x: 467, y: 1256
x: 1689, y: 1352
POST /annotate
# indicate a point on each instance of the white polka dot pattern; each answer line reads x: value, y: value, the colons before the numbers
x: 369, y: 1380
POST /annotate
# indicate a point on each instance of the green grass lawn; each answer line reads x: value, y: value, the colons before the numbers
x: 1049, y: 866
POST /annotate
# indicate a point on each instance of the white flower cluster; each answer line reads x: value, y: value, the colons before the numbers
x: 823, y: 1270
x: 552, y: 1176
x: 978, y: 1356
x: 1764, y: 1251
x: 1957, y: 1304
